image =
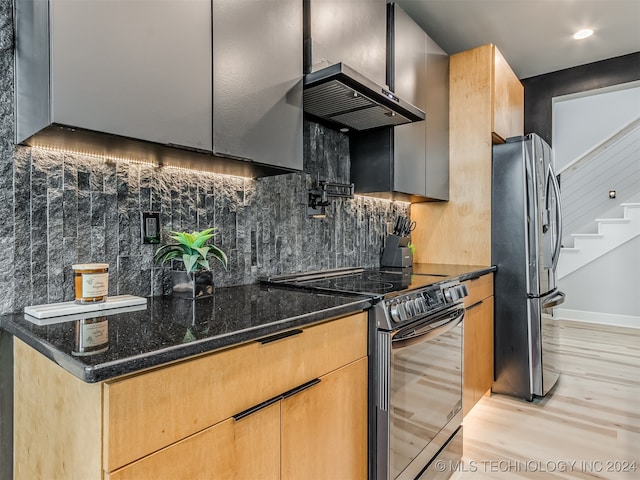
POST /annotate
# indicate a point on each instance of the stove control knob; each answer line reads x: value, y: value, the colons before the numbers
x: 461, y: 291
x: 395, y: 314
x: 402, y: 311
x: 447, y: 295
x: 410, y: 307
x: 452, y: 294
x: 420, y: 306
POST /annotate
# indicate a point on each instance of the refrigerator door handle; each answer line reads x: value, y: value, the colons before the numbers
x: 555, y: 300
x: 551, y: 178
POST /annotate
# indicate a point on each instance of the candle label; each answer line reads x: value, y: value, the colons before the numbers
x: 95, y: 284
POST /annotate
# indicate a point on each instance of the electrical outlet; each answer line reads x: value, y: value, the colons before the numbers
x: 150, y: 227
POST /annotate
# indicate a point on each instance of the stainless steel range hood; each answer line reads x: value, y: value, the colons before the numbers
x: 340, y: 95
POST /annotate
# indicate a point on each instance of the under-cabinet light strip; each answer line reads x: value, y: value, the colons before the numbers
x: 105, y: 158
x: 113, y: 158
x: 201, y: 170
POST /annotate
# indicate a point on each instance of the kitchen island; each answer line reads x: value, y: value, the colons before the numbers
x: 259, y: 381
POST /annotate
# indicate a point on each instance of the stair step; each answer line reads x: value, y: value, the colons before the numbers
x: 613, y: 220
x: 612, y: 232
x: 587, y: 235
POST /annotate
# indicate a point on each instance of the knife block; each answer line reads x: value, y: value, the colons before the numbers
x: 396, y: 252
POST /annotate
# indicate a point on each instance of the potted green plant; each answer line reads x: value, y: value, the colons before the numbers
x: 194, y: 251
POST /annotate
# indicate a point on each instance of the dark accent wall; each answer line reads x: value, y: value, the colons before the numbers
x: 540, y: 90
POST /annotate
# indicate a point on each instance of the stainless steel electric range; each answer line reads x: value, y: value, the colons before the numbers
x: 415, y: 366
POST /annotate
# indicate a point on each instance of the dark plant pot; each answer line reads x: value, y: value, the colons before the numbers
x: 191, y: 285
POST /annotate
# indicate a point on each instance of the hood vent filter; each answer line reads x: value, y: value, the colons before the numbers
x: 341, y: 95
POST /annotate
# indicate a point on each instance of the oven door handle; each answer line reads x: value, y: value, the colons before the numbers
x: 420, y: 336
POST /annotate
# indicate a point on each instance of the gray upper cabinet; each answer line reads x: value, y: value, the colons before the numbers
x: 407, y: 73
x: 257, y: 80
x: 351, y: 32
x: 133, y: 68
x: 221, y: 76
x: 408, y: 162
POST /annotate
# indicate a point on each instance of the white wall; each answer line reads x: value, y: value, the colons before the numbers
x: 605, y: 290
x: 584, y: 120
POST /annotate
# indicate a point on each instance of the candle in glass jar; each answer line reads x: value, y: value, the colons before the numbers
x: 91, y: 282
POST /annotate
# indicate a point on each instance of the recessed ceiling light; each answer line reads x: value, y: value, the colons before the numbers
x: 587, y: 32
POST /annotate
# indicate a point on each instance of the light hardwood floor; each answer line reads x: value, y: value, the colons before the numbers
x: 588, y: 427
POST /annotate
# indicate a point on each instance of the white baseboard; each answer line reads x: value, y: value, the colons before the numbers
x: 597, y: 317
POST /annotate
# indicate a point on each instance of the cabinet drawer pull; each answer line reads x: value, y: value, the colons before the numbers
x: 299, y: 389
x: 250, y: 411
x: 279, y: 336
x: 477, y: 304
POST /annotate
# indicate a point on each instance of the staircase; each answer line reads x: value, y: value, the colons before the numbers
x: 612, y: 232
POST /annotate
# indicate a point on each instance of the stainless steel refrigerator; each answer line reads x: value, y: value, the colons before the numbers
x: 526, y: 230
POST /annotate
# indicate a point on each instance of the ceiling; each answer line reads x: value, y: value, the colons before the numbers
x: 535, y: 36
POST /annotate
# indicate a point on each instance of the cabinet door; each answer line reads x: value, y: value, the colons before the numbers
x: 508, y: 100
x: 135, y: 68
x: 244, y: 449
x: 58, y: 422
x: 353, y: 32
x: 324, y: 428
x: 484, y: 348
x: 257, y: 81
x: 478, y: 353
x: 409, y: 79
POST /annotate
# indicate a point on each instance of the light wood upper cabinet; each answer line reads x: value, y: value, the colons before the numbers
x: 486, y: 103
x: 187, y: 420
x: 508, y: 100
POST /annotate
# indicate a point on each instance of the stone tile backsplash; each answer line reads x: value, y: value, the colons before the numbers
x: 58, y: 208
x: 71, y: 208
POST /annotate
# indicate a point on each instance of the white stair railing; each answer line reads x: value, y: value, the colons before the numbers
x: 585, y: 183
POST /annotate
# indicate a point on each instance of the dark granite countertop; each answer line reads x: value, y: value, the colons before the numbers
x: 168, y: 329
x: 461, y: 272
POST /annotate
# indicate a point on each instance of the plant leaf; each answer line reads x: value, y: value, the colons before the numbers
x: 184, y: 238
x: 200, y: 238
x: 200, y: 241
x: 219, y: 254
x: 204, y: 251
x: 166, y: 253
x: 204, y: 263
x: 189, y: 262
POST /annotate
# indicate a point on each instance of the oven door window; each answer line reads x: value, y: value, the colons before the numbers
x: 425, y: 394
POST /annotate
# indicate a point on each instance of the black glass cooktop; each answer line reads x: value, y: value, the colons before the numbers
x: 376, y: 282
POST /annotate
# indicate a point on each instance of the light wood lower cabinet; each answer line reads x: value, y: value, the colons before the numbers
x: 323, y: 422
x: 177, y: 422
x: 478, y: 341
x: 244, y: 450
